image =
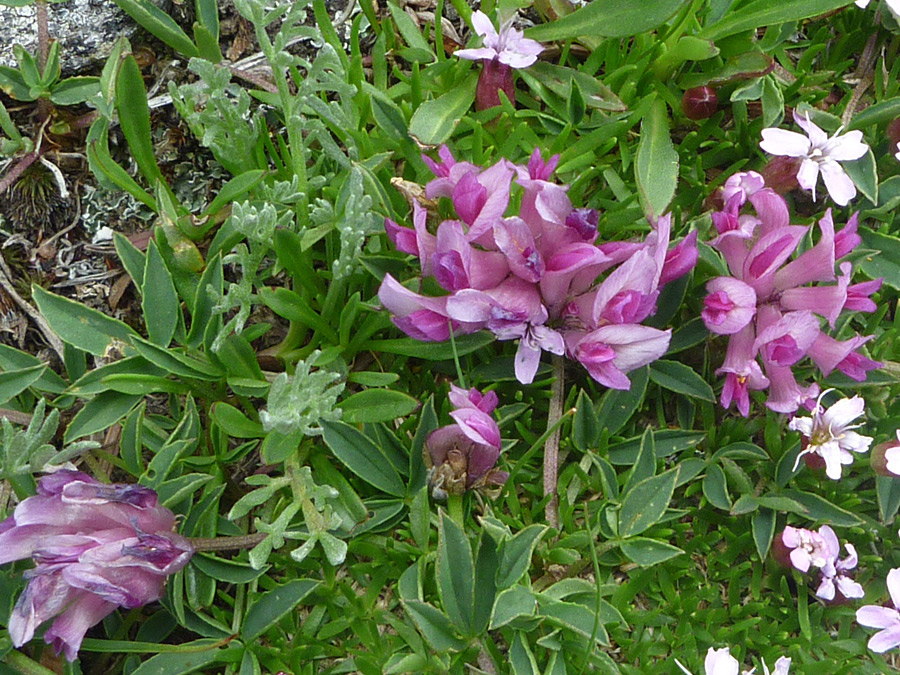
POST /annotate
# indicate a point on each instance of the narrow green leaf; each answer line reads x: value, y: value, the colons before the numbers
x: 864, y: 175
x: 273, y: 605
x: 234, y: 422
x: 521, y: 658
x: 233, y: 190
x: 585, y: 425
x: 877, y: 113
x: 681, y: 379
x: 14, y: 382
x: 645, y: 463
x: 160, y: 300
x: 409, y: 30
x: 513, y: 603
x: 755, y: 15
x: 103, y: 166
x: 515, y: 555
x: 75, y: 90
x: 823, y: 510
x: 434, y: 121
x: 763, y: 525
x: 431, y: 351
x: 192, y: 658
x: 656, y: 162
x: 100, y: 413
x: 80, y: 325
x: 363, y: 457
x: 487, y: 563
x: 159, y: 24
x: 609, y: 18
x: 646, y: 503
x: 134, y: 117
x: 133, y: 260
x: 228, y: 571
x: 377, y: 405
x: 617, y: 406
x: 715, y: 489
x: 455, y: 574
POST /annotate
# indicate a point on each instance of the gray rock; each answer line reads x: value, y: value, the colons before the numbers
x: 86, y: 30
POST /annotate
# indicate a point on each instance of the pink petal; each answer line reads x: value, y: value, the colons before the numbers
x: 838, y: 183
x: 782, y: 142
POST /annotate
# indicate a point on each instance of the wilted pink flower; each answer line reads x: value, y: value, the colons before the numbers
x: 95, y: 547
x: 835, y: 585
x: 884, y: 618
x: 462, y: 456
x: 820, y: 154
x: 829, y: 434
x: 886, y: 458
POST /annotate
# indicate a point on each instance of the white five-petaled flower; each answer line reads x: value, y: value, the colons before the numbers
x: 509, y: 46
x: 721, y: 662
x: 820, y: 154
x: 830, y: 435
x: 897, y: 154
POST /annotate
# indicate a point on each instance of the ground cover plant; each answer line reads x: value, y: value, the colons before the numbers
x: 529, y: 338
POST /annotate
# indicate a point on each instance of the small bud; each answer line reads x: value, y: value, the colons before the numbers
x: 893, y: 132
x: 494, y: 77
x: 886, y: 458
x: 699, y: 103
x: 780, y: 174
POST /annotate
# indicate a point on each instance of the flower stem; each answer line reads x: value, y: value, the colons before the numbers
x: 455, y: 508
x: 551, y: 447
x: 226, y: 543
x: 20, y: 663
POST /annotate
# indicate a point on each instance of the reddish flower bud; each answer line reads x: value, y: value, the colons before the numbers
x: 886, y: 458
x: 893, y: 132
x: 494, y: 77
x: 780, y: 174
x: 699, y: 103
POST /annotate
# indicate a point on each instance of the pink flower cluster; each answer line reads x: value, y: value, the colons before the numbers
x: 773, y: 307
x: 462, y: 456
x: 802, y: 549
x: 886, y: 619
x: 533, y: 276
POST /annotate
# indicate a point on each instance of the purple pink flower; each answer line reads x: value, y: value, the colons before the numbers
x: 886, y: 619
x: 538, y: 276
x: 774, y: 302
x: 95, y: 547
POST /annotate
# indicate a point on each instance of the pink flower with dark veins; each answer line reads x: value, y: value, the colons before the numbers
x: 509, y: 46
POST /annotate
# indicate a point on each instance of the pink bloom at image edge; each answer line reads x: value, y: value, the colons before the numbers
x: 886, y: 619
x: 819, y: 153
x: 96, y: 547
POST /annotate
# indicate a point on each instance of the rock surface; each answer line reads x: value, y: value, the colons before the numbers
x: 86, y: 30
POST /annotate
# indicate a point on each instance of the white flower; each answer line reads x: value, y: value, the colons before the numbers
x: 897, y: 154
x: 509, y: 46
x: 721, y: 662
x: 820, y: 154
x: 830, y: 435
x: 893, y: 5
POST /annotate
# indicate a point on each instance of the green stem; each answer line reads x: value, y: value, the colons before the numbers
x: 455, y: 508
x: 226, y: 543
x: 551, y: 447
x: 22, y: 664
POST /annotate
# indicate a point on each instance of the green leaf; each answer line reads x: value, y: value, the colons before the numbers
x: 646, y: 503
x: 887, y: 260
x: 487, y: 563
x: 645, y: 463
x: 823, y: 510
x: 715, y: 489
x: 273, y: 605
x: 574, y: 617
x: 609, y: 18
x: 14, y: 382
x: 377, y: 405
x: 431, y: 351
x: 760, y: 13
x: 134, y: 117
x: 177, y: 363
x: 229, y: 571
x: 888, y: 491
x: 233, y: 190
x: 646, y: 552
x: 656, y: 162
x: 159, y: 24
x: 193, y: 657
x: 363, y: 457
x: 513, y: 603
x: 864, y: 175
x: 100, y: 413
x: 434, y: 121
x: 234, y: 422
x: 742, y: 450
x: 159, y: 299
x: 668, y: 441
x: 409, y: 30
x: 515, y: 555
x: 455, y: 574
x: 80, y: 325
x: 143, y: 385
x: 110, y: 173
x: 13, y: 85
x: 520, y: 657
x: 763, y: 525
x: 13, y: 359
x: 617, y: 406
x: 681, y: 379
x: 75, y: 90
x: 877, y: 113
x: 434, y: 625
x: 585, y: 425
x: 133, y: 260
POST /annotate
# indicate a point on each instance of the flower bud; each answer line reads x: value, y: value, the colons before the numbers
x: 699, y: 103
x: 494, y: 77
x: 780, y: 174
x: 893, y: 132
x: 886, y: 458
